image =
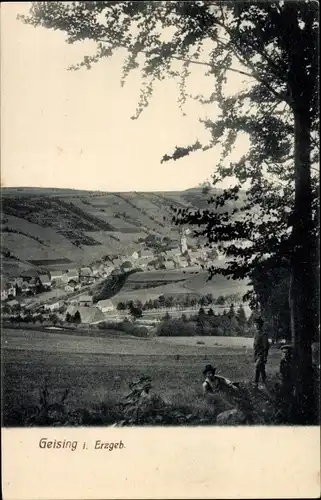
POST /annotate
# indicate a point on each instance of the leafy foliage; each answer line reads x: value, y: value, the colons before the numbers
x: 229, y: 324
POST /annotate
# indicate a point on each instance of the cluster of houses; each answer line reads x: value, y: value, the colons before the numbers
x: 75, y: 279
x: 175, y: 258
x: 72, y: 279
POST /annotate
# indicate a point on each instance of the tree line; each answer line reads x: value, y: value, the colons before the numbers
x: 230, y: 323
x: 178, y: 301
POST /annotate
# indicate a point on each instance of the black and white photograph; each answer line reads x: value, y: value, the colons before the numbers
x: 159, y: 214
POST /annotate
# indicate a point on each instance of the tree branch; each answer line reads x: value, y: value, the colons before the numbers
x: 245, y: 62
x: 253, y: 75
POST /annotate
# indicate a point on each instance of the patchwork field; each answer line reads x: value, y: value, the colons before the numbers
x: 99, y: 369
x: 38, y: 224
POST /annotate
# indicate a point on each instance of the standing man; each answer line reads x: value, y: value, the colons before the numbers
x: 261, y: 349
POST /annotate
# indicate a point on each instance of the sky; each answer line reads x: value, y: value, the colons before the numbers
x: 73, y: 129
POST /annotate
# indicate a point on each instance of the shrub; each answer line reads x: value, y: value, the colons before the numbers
x: 125, y: 327
x: 176, y: 328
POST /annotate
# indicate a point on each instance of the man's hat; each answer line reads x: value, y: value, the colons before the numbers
x: 209, y: 369
x: 287, y: 347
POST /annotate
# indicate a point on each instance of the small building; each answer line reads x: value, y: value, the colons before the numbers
x: 87, y: 315
x: 173, y: 252
x: 181, y: 262
x: 56, y: 275
x: 69, y: 275
x: 169, y: 264
x: 69, y: 288
x: 45, y: 280
x: 85, y: 300
x: 17, y: 281
x: 135, y: 255
x: 4, y: 290
x: 170, y: 254
x: 12, y: 291
x: 85, y: 273
x: 106, y: 306
x: 145, y: 254
x: 55, y: 306
x: 117, y: 262
x: 13, y: 303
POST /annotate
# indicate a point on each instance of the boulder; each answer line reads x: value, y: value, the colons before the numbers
x: 231, y: 417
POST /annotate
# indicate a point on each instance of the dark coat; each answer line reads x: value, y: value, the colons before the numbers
x: 261, y: 347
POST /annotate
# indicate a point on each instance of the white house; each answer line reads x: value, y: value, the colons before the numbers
x: 134, y: 255
x: 88, y: 315
x: 54, y: 306
x: 85, y: 300
x: 175, y: 252
x: 56, y: 275
x: 146, y: 254
x: 106, y: 305
x: 70, y: 275
x: 4, y: 291
x: 11, y: 289
x: 45, y: 280
x: 117, y: 262
x: 181, y: 261
x: 13, y: 303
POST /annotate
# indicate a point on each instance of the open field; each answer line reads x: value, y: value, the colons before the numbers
x: 177, y: 282
x: 99, y: 369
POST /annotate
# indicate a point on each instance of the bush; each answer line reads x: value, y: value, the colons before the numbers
x: 125, y: 327
x: 131, y: 329
x: 176, y: 328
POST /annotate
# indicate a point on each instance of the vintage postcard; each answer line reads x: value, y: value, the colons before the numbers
x: 160, y: 250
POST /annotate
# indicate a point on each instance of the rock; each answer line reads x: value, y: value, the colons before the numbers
x: 231, y: 417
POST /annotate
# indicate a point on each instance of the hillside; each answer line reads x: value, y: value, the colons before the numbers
x: 59, y: 227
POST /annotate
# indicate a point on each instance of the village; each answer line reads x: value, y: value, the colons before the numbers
x: 61, y: 295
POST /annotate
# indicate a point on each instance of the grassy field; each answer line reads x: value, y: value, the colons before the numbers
x: 99, y: 369
x: 177, y: 282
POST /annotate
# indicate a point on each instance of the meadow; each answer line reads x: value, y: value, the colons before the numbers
x: 98, y: 370
x: 145, y: 285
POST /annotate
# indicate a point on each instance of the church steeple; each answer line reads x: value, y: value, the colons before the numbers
x: 183, y: 241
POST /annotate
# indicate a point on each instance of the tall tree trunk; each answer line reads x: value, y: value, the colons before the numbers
x: 301, y: 287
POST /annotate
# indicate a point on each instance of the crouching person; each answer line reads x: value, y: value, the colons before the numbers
x: 216, y: 389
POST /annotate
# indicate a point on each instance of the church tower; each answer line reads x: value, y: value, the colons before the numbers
x: 183, y: 241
